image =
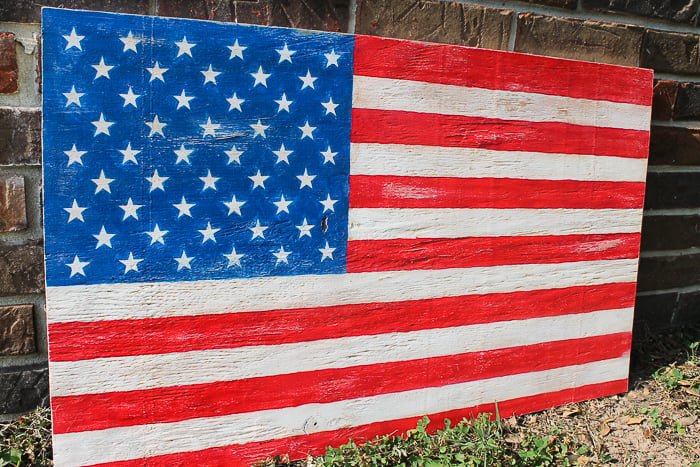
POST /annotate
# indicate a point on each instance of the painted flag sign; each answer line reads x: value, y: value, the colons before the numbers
x: 264, y: 240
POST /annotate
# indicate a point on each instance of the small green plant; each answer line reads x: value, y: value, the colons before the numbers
x: 26, y: 440
x: 653, y: 416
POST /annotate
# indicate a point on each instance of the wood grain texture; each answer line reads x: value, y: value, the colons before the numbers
x: 148, y: 440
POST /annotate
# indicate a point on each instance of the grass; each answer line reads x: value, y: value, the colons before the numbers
x: 26, y: 441
x: 663, y: 410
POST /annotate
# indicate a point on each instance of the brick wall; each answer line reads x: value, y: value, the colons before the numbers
x: 663, y: 35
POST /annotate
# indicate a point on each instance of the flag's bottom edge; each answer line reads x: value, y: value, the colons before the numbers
x: 298, y: 447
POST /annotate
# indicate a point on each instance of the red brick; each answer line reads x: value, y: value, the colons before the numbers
x: 13, y: 210
x: 213, y: 10
x: 322, y: 15
x: 671, y: 52
x: 23, y: 388
x: 687, y: 106
x: 20, y: 136
x: 447, y: 22
x: 29, y: 11
x: 593, y: 41
x: 665, y: 92
x: 674, y: 146
x: 684, y: 11
x: 8, y: 64
x: 17, y: 330
x: 21, y: 269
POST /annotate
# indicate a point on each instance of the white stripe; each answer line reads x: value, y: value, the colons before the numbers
x: 208, y: 366
x: 97, y: 302
x: 391, y: 223
x: 136, y: 442
x: 446, y: 99
x: 435, y: 161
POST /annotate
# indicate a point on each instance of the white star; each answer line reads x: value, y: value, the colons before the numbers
x: 305, y: 179
x: 183, y: 100
x: 234, y: 102
x: 103, y: 238
x: 327, y: 252
x: 210, y: 75
x: 183, y: 154
x: 210, y: 128
x: 184, y: 47
x: 157, y: 235
x: 282, y: 154
x: 73, y: 97
x: 183, y: 261
x: 209, y: 181
x: 305, y: 229
x: 329, y: 156
x: 157, y: 72
x: 156, y: 126
x: 157, y: 181
x: 234, y: 155
x: 129, y: 42
x: 330, y: 106
x: 233, y: 258
x: 130, y: 209
x: 332, y: 58
x: 260, y: 77
x: 258, y: 230
x: 259, y: 129
x: 102, y: 125
x: 129, y: 154
x: 208, y: 233
x: 308, y: 80
x: 131, y: 263
x: 282, y: 205
x: 258, y: 180
x: 328, y: 204
x: 74, y: 155
x: 236, y: 50
x: 283, y: 103
x: 76, y: 267
x: 102, y: 69
x: 307, y: 131
x: 234, y: 206
x: 73, y: 41
x: 102, y: 183
x: 281, y: 256
x: 286, y: 54
x: 130, y: 98
x: 184, y: 208
x: 75, y: 212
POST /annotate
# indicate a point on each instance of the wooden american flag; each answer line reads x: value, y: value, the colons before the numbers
x: 441, y: 230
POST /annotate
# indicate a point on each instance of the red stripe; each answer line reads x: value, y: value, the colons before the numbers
x: 299, y: 446
x: 385, y: 191
x: 161, y: 405
x: 82, y: 341
x: 491, y: 69
x: 398, y: 127
x: 441, y: 253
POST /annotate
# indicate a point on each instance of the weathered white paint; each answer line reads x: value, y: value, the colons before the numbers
x: 436, y: 161
x: 389, y: 223
x: 208, y: 366
x: 162, y: 299
x: 74, y: 449
x: 415, y: 96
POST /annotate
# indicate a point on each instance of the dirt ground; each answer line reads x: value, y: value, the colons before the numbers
x: 656, y: 423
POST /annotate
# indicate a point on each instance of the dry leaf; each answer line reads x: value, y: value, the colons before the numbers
x: 647, y: 433
x: 604, y: 429
x: 571, y: 411
x: 692, y: 392
x: 634, y: 420
x: 685, y: 382
x: 514, y: 438
x: 689, y: 420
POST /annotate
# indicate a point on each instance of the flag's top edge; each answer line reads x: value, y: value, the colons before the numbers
x: 51, y: 10
x: 46, y: 12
